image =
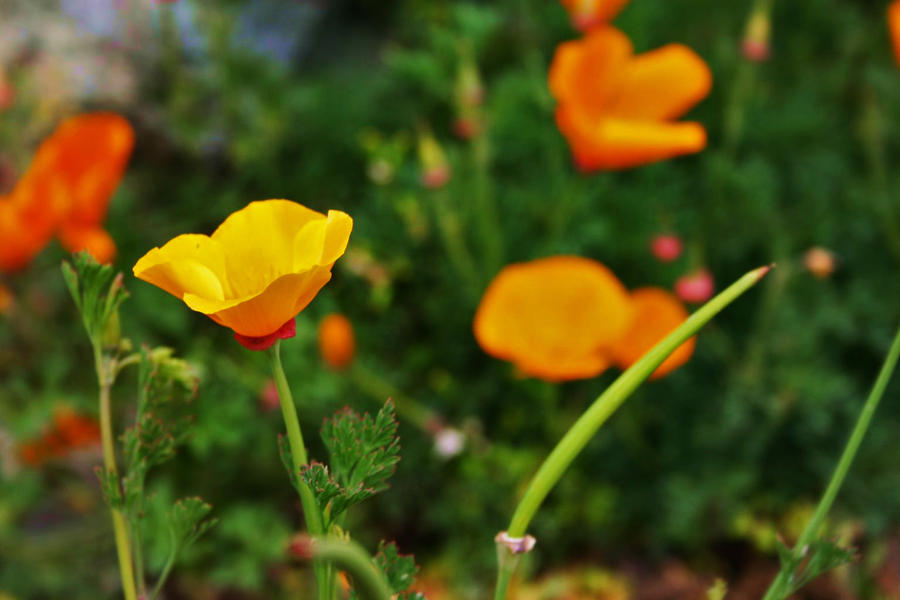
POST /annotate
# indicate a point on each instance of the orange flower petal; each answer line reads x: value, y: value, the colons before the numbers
x: 552, y: 317
x: 95, y: 240
x: 261, y: 314
x: 657, y: 314
x: 588, y: 73
x: 662, y: 84
x: 893, y: 18
x: 618, y: 144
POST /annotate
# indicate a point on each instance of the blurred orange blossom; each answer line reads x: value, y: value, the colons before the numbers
x: 616, y: 108
x: 337, y: 344
x: 586, y: 14
x: 554, y: 317
x: 69, y: 432
x: 263, y: 265
x: 66, y: 190
x: 656, y: 314
x: 893, y: 15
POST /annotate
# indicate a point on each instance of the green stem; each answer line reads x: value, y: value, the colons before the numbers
x: 454, y: 243
x: 783, y: 580
x: 311, y: 513
x: 352, y: 558
x: 170, y: 562
x: 588, y: 424
x: 120, y: 526
x: 486, y: 210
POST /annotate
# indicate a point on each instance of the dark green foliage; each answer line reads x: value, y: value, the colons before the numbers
x: 363, y: 450
x: 97, y: 291
x: 188, y: 521
x: 332, y: 498
x: 399, y: 571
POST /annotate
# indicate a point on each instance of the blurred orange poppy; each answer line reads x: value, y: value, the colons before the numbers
x: 586, y: 14
x: 893, y: 15
x: 69, y: 432
x: 554, y: 318
x: 86, y: 155
x: 656, y: 313
x: 66, y: 190
x: 263, y: 265
x: 616, y: 109
x: 337, y: 344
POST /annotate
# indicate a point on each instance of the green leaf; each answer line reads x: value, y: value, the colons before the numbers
x: 284, y: 451
x: 816, y: 559
x: 187, y: 521
x: 364, y: 450
x: 331, y: 498
x: 399, y: 571
x: 97, y: 293
x: 109, y: 484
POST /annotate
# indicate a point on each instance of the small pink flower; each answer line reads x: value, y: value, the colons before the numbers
x: 695, y: 287
x: 467, y: 127
x: 666, y: 248
x: 436, y: 177
x: 269, y: 399
x: 755, y: 50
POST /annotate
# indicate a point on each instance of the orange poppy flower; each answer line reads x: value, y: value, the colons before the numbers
x: 656, y: 314
x: 893, y: 16
x: 66, y: 189
x: 616, y: 108
x: 69, y: 432
x: 337, y: 344
x: 263, y: 265
x: 553, y: 318
x: 586, y: 14
x: 87, y: 155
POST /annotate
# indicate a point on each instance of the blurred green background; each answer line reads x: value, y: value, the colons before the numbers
x: 322, y: 102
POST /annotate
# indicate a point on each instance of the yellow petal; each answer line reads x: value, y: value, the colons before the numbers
x: 189, y: 264
x: 260, y: 243
x: 322, y: 241
x: 265, y: 312
x: 662, y: 84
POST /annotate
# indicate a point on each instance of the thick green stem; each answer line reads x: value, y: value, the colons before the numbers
x: 780, y: 587
x: 350, y: 557
x: 311, y: 513
x: 120, y: 526
x: 588, y: 424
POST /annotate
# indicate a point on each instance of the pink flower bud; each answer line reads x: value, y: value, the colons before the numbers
x: 269, y: 399
x: 666, y: 248
x: 695, y: 287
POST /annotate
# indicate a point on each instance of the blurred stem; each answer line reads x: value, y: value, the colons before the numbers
x: 105, y: 367
x: 311, y: 513
x: 379, y: 389
x: 587, y: 425
x: 454, y: 244
x: 350, y: 556
x: 486, y: 208
x: 781, y: 586
x: 872, y: 128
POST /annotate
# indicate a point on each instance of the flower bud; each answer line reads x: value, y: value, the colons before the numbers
x: 755, y: 45
x: 666, y: 248
x: 819, y: 262
x: 435, y: 167
x: 695, y: 287
x: 337, y: 344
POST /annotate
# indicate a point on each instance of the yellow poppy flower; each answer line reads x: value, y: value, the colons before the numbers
x: 263, y: 265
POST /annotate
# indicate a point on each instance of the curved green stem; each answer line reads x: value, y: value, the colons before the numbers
x: 311, y: 513
x: 780, y: 587
x: 352, y: 558
x: 588, y: 424
x: 120, y: 526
